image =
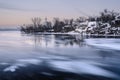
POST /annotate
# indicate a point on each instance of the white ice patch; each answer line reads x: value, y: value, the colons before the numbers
x: 29, y: 61
x: 4, y: 63
x: 21, y: 63
x: 13, y: 68
x: 46, y: 73
x: 81, y: 68
x: 104, y: 43
x: 52, y: 57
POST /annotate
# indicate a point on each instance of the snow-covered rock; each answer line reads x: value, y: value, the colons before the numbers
x: 92, y: 24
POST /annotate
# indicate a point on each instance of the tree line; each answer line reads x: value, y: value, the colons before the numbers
x: 56, y: 25
x: 110, y: 17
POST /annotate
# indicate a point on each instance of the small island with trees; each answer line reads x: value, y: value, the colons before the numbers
x: 107, y: 23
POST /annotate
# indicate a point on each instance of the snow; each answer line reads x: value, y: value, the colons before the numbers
x: 104, y: 43
x: 117, y: 17
x: 73, y: 32
x: 92, y: 24
x: 107, y: 25
x: 78, y: 30
x: 53, y: 33
x: 84, y: 23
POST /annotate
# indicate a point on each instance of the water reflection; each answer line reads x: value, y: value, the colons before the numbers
x: 57, y: 40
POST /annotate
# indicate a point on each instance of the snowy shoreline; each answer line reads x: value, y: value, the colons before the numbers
x: 87, y: 35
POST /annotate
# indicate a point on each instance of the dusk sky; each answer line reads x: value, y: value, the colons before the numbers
x: 18, y: 12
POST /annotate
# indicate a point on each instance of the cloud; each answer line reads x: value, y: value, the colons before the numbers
x: 10, y: 7
x: 17, y: 8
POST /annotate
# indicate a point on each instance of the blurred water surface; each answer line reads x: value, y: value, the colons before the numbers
x: 58, y: 57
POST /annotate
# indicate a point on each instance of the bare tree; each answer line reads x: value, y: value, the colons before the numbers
x: 36, y: 21
x: 108, y: 16
x: 66, y: 21
x: 71, y: 22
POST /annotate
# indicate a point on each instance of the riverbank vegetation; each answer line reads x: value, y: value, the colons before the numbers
x: 108, y: 22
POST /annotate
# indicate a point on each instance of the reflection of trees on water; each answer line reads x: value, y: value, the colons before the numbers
x: 70, y: 39
x: 42, y: 40
x: 57, y: 40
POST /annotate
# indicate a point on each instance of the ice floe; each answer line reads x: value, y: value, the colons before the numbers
x: 104, y: 43
x: 21, y: 63
x: 13, y: 67
x: 29, y: 61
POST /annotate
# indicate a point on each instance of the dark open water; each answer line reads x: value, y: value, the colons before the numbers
x: 58, y: 57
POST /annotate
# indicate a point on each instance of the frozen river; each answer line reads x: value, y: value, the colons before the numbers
x: 58, y: 57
